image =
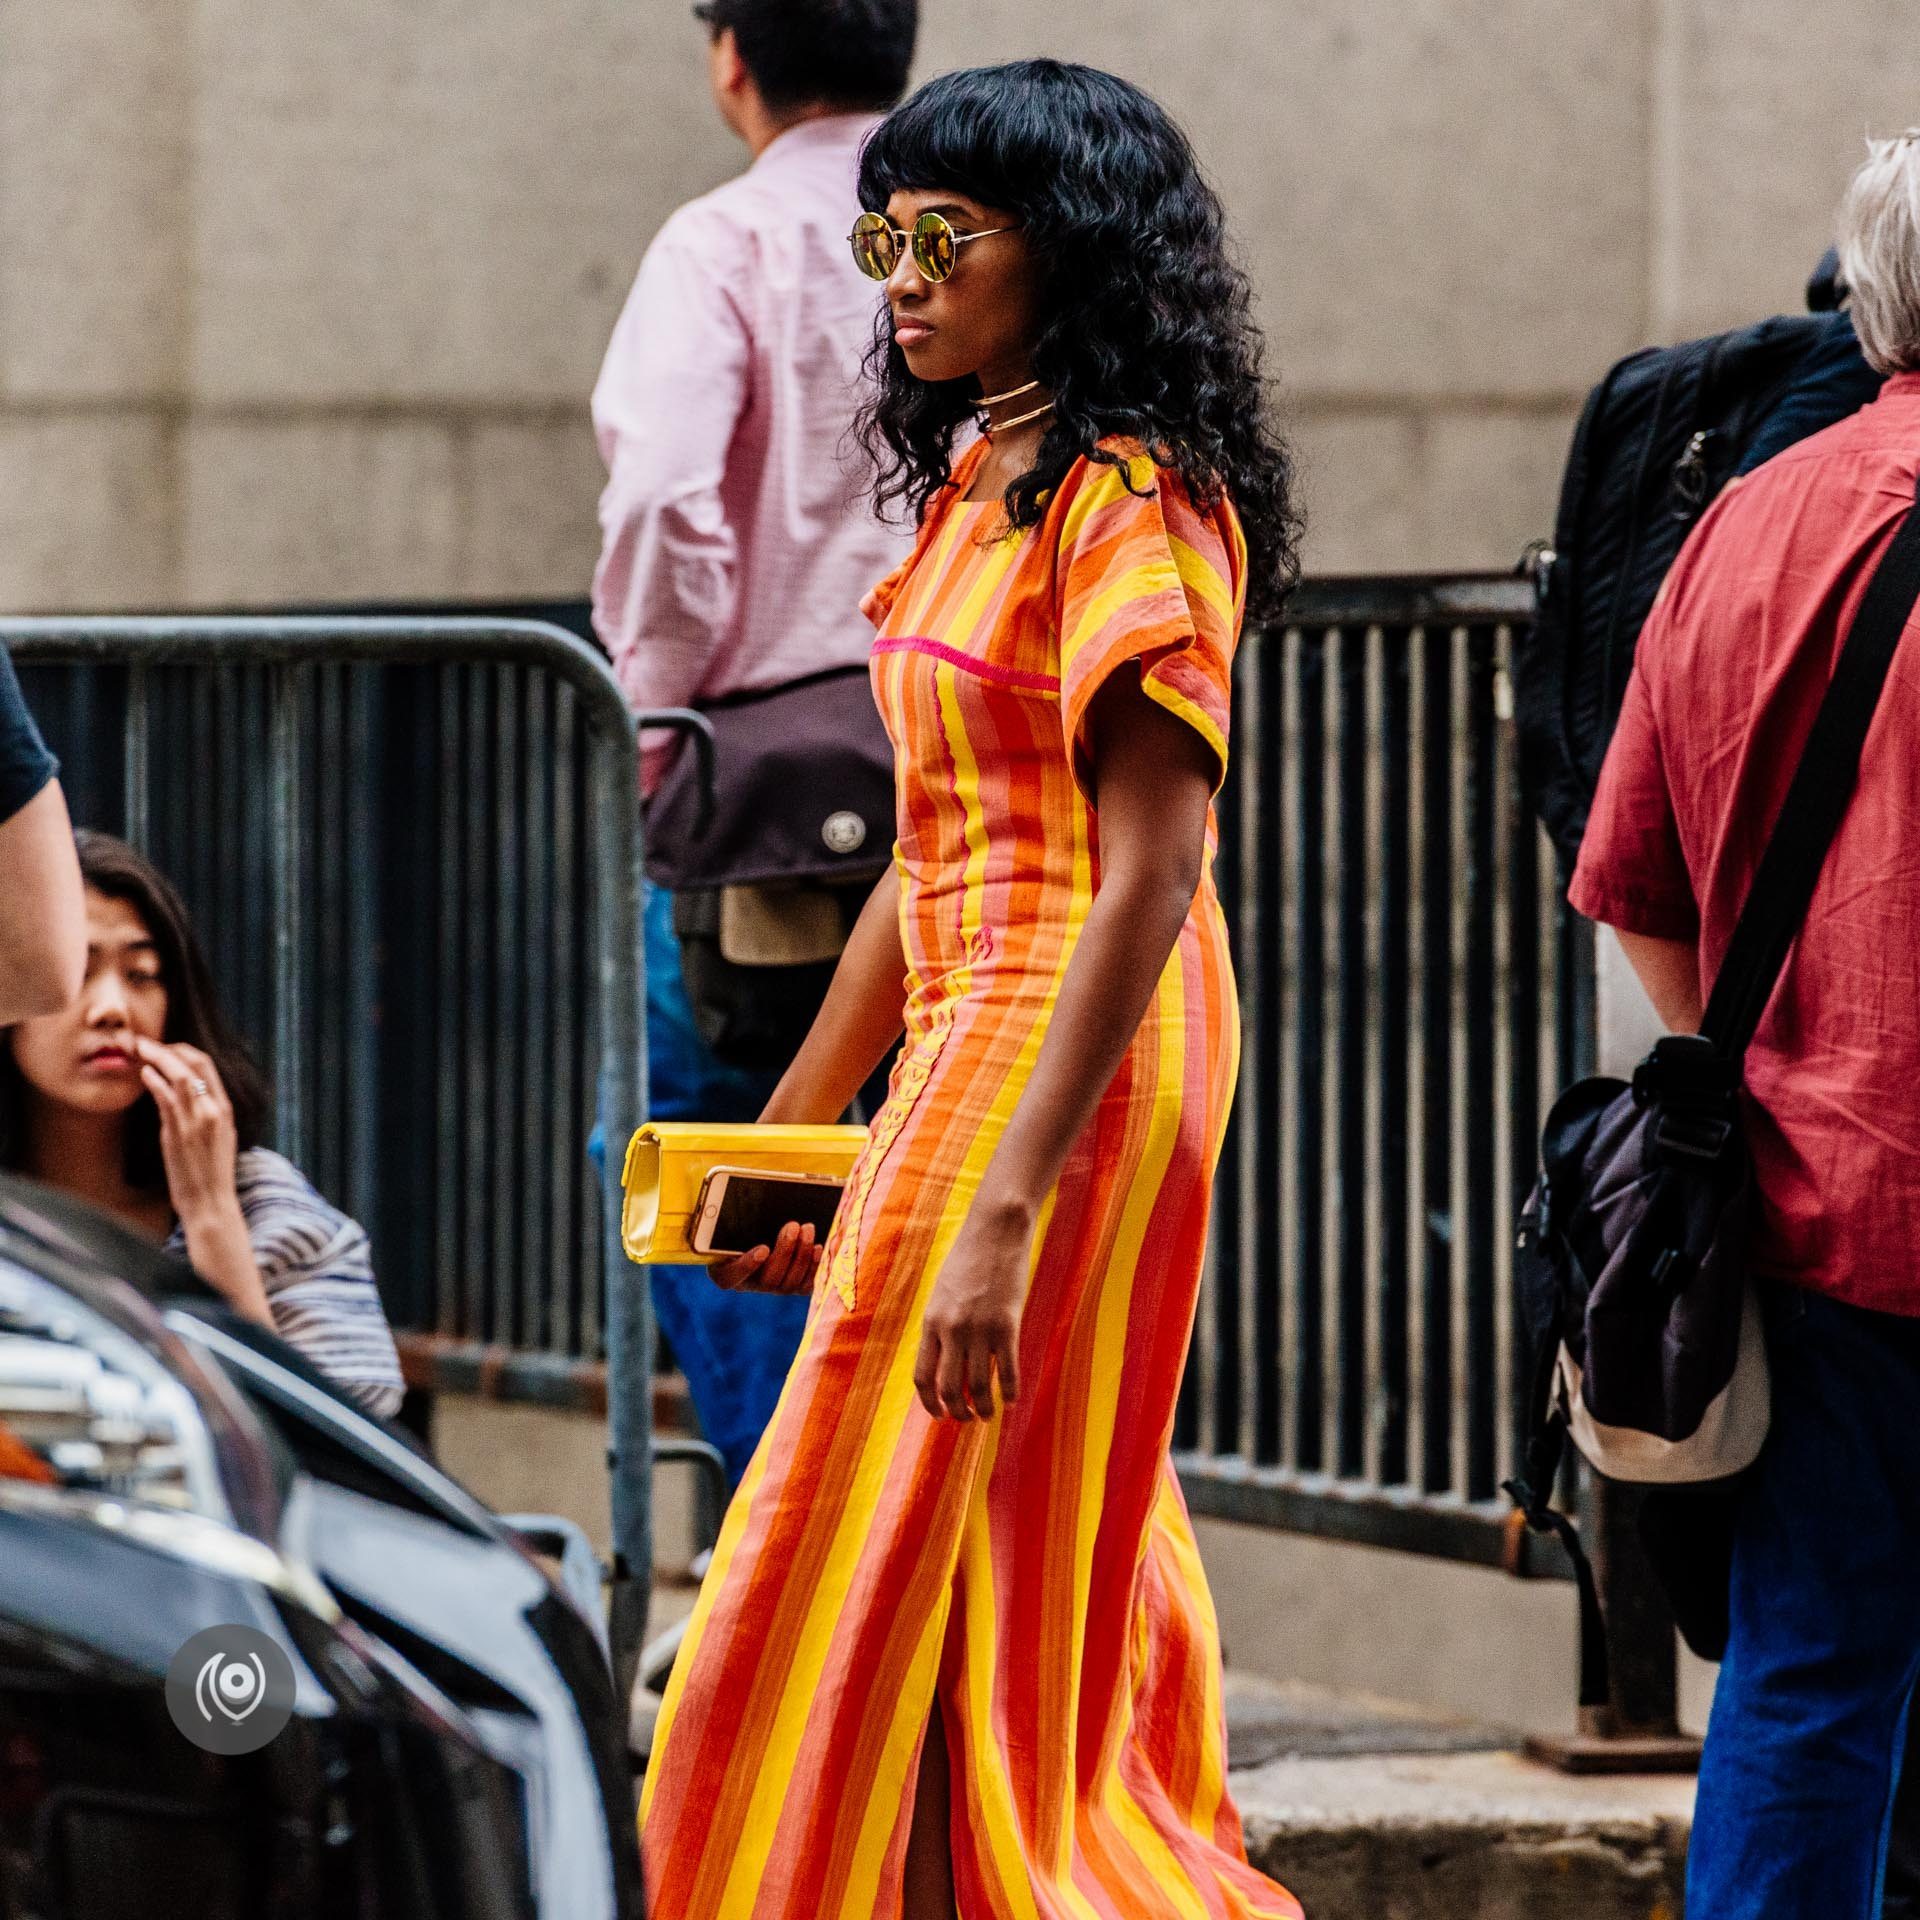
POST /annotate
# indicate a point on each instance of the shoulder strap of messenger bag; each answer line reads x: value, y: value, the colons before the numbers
x: 1816, y: 802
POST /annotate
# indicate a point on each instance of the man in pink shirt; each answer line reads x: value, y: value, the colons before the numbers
x: 737, y: 537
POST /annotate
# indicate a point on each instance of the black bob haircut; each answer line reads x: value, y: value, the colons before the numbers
x: 853, y: 54
x: 1145, y: 327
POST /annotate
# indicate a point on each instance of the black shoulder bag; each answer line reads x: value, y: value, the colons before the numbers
x: 1631, y: 1267
x: 768, y: 882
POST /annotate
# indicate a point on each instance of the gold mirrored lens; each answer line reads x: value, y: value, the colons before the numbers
x: 873, y: 247
x: 933, y: 249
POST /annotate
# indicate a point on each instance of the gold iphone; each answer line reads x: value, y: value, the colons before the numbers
x: 741, y: 1208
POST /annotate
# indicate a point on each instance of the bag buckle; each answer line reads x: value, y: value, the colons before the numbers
x: 1691, y: 1084
x: 1684, y: 1070
x: 1693, y: 1136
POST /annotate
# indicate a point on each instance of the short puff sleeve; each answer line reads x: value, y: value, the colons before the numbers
x: 1145, y: 576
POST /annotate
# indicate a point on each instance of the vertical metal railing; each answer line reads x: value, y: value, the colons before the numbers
x: 1412, y: 994
x: 412, y: 847
x: 439, y: 900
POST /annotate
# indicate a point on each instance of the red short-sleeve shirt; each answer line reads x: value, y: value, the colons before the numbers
x: 1728, y: 676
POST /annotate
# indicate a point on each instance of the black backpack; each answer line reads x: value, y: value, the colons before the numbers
x: 1660, y: 436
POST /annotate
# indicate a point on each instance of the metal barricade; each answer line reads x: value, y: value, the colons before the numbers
x: 1412, y: 992
x: 435, y: 895
x: 413, y: 849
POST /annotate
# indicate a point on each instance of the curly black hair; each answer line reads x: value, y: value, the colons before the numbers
x: 1146, y: 331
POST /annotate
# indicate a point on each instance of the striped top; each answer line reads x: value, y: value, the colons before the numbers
x: 1126, y: 568
x: 317, y: 1268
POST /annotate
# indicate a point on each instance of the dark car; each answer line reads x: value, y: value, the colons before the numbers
x: 454, y: 1747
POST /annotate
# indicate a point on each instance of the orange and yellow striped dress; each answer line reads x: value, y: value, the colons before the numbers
x: 1037, y: 1574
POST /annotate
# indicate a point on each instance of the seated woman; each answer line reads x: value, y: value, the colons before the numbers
x: 141, y: 1099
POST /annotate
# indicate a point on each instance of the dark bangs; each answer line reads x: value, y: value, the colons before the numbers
x: 974, y: 133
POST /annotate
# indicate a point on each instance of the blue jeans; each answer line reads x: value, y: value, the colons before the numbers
x: 1809, y: 1721
x: 733, y: 1348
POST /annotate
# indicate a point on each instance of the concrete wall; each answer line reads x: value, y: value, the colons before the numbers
x: 304, y: 301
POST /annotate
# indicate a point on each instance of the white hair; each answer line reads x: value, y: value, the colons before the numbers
x: 1879, y: 242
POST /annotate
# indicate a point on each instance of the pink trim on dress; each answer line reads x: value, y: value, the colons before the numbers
x: 969, y: 663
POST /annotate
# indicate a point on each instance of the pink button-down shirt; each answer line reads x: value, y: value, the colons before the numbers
x: 736, y: 537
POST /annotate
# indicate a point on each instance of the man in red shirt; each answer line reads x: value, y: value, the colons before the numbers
x: 1803, y: 1749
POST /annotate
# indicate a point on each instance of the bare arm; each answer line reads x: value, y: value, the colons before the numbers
x: 1154, y: 778
x: 43, y: 923
x: 859, y: 1020
x: 1670, y: 972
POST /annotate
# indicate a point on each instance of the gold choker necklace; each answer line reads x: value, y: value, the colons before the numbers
x: 1019, y: 420
x: 987, y: 400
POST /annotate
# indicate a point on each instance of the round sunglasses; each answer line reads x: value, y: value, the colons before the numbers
x: 934, y: 245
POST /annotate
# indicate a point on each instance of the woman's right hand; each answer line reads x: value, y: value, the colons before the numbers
x: 199, y: 1150
x: 198, y: 1146
x: 788, y: 1266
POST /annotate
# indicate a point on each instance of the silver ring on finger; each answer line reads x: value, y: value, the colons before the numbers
x: 199, y: 1087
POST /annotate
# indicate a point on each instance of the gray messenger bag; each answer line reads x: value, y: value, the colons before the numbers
x: 1632, y: 1257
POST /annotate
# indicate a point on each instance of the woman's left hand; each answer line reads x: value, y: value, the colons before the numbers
x: 971, y: 1333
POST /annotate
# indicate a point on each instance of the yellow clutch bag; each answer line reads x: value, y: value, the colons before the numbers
x: 668, y: 1162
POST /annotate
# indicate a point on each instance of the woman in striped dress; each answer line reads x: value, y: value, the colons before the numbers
x: 956, y: 1652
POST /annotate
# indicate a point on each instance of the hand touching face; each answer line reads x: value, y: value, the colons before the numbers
x: 198, y: 1145
x: 106, y: 1050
